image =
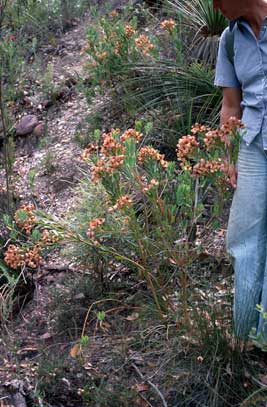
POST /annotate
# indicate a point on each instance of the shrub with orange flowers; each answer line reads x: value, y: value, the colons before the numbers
x: 27, y: 239
x: 113, y: 46
x: 141, y: 209
x: 209, y: 152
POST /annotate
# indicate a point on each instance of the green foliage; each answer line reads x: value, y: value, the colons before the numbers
x: 206, y: 24
x: 47, y: 82
x: 159, y: 83
x: 41, y: 19
x: 112, y: 45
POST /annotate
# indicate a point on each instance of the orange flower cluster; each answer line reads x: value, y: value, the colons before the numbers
x: 103, y: 167
x: 129, y: 30
x: 231, y: 125
x: 204, y: 167
x: 168, y: 25
x: 143, y: 43
x: 113, y: 14
x: 16, y: 257
x: 33, y: 258
x: 186, y: 147
x: 122, y: 202
x: 131, y: 133
x: 222, y: 134
x: 101, y: 56
x: 146, y: 187
x: 114, y: 163
x: 153, y: 154
x: 110, y: 146
x: 49, y: 236
x: 25, y: 224
x: 90, y: 149
x: 98, y: 169
x: 93, y: 225
x: 199, y: 128
x: 211, y: 137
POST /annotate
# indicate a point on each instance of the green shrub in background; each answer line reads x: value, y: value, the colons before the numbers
x: 151, y: 77
x: 32, y: 18
x: 112, y: 46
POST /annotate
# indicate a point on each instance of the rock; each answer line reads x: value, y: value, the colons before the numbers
x: 26, y: 125
x: 39, y: 130
x: 17, y: 390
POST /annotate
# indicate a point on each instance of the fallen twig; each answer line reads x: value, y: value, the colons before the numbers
x: 151, y: 384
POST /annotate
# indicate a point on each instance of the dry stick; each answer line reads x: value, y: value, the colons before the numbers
x: 5, y: 146
x: 164, y: 403
x: 3, y: 5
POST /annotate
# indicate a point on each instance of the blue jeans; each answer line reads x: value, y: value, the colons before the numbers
x: 247, y: 238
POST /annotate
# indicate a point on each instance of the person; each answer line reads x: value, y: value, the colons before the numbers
x: 244, y: 83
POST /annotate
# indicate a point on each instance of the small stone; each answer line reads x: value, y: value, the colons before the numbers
x: 26, y: 125
x: 39, y: 130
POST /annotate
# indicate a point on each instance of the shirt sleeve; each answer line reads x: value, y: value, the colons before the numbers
x: 225, y: 75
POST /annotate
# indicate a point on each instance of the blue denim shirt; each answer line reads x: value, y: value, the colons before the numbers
x: 249, y: 72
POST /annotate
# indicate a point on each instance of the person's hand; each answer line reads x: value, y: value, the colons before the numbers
x: 232, y: 174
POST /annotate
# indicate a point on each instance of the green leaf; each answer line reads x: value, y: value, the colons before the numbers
x: 36, y: 235
x: 101, y: 315
x: 7, y: 220
x: 84, y: 341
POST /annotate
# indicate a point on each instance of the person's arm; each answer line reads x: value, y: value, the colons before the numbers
x: 231, y: 104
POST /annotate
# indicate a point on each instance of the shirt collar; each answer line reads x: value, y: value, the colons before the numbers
x: 232, y: 23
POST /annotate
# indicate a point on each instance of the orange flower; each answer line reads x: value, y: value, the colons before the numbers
x: 98, y: 170
x: 122, y: 202
x: 101, y: 56
x: 146, y: 187
x: 113, y: 14
x: 150, y: 152
x: 168, y: 24
x: 131, y: 133
x: 115, y: 162
x: 143, y: 43
x: 14, y: 257
x: 93, y: 225
x: 49, y: 236
x: 110, y: 146
x: 199, y: 128
x: 24, y: 218
x: 129, y: 30
x: 204, y: 167
x: 186, y: 147
x: 33, y: 258
x: 90, y: 149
